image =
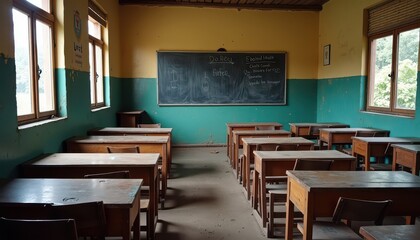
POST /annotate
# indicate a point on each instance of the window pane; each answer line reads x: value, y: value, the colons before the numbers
x: 380, y: 80
x: 24, y: 87
x: 45, y: 67
x: 408, y: 57
x: 100, y: 76
x: 94, y: 28
x: 92, y: 74
x: 43, y: 4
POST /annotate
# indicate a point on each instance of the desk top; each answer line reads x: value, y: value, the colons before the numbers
x: 97, y: 159
x: 388, y: 139
x: 309, y: 154
x: 113, y: 192
x: 289, y: 140
x: 120, y: 139
x: 351, y: 130
x: 131, y: 112
x: 391, y: 232
x: 128, y: 130
x: 253, y: 124
x: 355, y: 179
x: 260, y: 132
x: 409, y: 147
x: 324, y: 124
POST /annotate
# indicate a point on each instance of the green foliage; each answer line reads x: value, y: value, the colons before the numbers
x: 407, y: 84
x: 408, y: 48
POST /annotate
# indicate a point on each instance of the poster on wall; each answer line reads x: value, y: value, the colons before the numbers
x: 77, y: 45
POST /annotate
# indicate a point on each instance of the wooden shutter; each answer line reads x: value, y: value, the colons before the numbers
x: 392, y: 14
x: 97, y: 13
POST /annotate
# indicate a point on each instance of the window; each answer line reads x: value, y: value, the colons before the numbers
x: 96, y: 21
x: 34, y: 60
x: 393, y: 34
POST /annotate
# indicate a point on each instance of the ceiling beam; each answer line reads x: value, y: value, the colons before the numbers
x: 238, y: 5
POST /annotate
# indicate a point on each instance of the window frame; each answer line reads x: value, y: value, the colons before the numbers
x: 392, y: 109
x: 97, y: 43
x: 37, y: 14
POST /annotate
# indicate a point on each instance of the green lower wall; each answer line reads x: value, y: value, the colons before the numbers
x: 342, y: 100
x: 309, y: 100
x: 207, y: 124
x: 19, y: 145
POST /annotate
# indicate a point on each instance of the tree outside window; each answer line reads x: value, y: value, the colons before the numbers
x: 393, y: 71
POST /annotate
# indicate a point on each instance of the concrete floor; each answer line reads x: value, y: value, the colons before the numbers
x: 204, y: 200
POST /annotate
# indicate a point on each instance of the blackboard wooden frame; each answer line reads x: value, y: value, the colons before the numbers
x: 221, y: 78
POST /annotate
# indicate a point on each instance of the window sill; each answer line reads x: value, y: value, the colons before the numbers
x: 40, y: 123
x: 388, y: 115
x: 100, y: 108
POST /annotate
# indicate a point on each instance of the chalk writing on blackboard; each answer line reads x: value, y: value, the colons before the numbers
x: 221, y: 78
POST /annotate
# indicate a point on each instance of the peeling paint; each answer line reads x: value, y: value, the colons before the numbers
x: 74, y: 75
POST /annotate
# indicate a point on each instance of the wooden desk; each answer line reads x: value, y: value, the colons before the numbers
x: 276, y: 163
x: 315, y: 193
x: 390, y: 232
x: 129, y: 119
x: 407, y: 156
x: 148, y: 144
x: 244, y: 126
x: 331, y: 136
x: 126, y: 131
x: 250, y: 144
x: 121, y: 198
x: 238, y: 135
x: 302, y: 129
x: 377, y: 146
x: 76, y: 165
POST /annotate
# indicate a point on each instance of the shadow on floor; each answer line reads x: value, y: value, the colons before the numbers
x: 175, y: 231
x: 165, y: 232
x: 176, y: 198
x: 179, y: 170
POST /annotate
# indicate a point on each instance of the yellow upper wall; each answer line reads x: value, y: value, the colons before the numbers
x: 6, y: 40
x: 111, y: 37
x: 145, y: 30
x: 341, y: 25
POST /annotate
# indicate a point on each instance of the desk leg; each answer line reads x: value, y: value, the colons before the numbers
x: 126, y: 232
x: 410, y: 220
x: 263, y: 199
x: 394, y: 165
x: 228, y: 145
x: 169, y: 154
x: 367, y: 162
x: 308, y: 219
x: 153, y: 204
x: 248, y: 177
x: 329, y: 145
x: 164, y: 175
x: 254, y: 192
x: 235, y: 154
x: 290, y: 215
x: 136, y: 228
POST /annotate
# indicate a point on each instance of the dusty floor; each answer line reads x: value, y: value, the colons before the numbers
x: 204, y: 200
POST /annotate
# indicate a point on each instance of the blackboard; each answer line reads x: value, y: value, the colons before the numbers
x: 221, y: 78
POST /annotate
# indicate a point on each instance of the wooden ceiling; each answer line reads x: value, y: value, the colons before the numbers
x: 291, y: 5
